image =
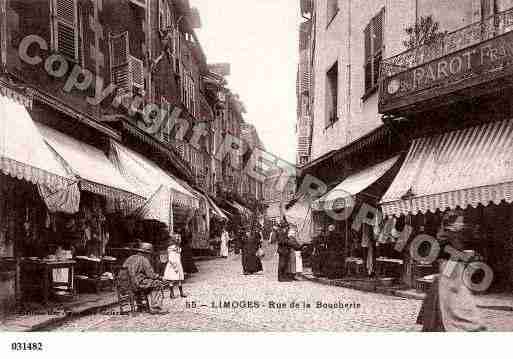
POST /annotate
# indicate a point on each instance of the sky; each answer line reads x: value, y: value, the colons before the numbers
x: 259, y: 38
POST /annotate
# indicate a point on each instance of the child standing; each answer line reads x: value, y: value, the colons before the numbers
x: 174, y: 270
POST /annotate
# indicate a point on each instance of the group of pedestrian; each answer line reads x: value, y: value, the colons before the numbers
x: 289, y: 260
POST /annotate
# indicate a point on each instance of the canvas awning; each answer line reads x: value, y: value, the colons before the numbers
x: 215, y: 209
x: 158, y: 207
x: 91, y: 166
x: 461, y: 168
x: 300, y: 215
x: 242, y: 210
x: 340, y: 196
x: 147, y: 177
x: 23, y: 152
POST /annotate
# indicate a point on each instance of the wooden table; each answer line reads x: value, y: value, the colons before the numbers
x: 45, y: 269
x: 389, y: 267
x: 93, y: 268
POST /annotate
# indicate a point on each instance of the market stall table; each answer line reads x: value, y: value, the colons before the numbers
x: 45, y: 269
x: 389, y: 267
x: 355, y: 266
x: 91, y: 273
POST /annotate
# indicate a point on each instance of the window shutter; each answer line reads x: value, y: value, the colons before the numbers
x: 121, y: 75
x: 162, y: 15
x: 137, y: 70
x: 367, y: 36
x: 376, y: 67
x: 378, y: 33
x: 488, y: 8
x: 176, y: 50
x: 166, y: 128
x: 66, y: 28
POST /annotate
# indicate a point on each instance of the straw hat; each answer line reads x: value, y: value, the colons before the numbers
x: 145, y: 247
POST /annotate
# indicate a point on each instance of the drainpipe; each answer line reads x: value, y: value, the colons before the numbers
x: 349, y: 72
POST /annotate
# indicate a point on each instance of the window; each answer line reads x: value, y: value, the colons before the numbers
x: 165, y: 16
x: 166, y: 127
x: 487, y: 8
x: 332, y: 10
x: 127, y: 72
x: 189, y: 93
x: 373, y: 51
x: 332, y: 95
x: 65, y: 28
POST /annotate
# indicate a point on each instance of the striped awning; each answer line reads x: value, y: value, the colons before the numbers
x: 342, y: 195
x: 245, y: 212
x: 92, y: 167
x: 23, y: 153
x: 461, y: 168
x: 147, y: 177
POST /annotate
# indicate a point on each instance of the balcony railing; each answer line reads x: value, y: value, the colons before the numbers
x: 460, y: 39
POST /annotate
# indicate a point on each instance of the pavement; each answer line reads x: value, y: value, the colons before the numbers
x: 495, y: 301
x: 35, y: 317
x: 222, y: 299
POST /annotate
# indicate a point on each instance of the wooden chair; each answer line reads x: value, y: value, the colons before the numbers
x: 128, y: 298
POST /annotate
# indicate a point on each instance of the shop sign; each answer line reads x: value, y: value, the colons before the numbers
x: 483, y: 62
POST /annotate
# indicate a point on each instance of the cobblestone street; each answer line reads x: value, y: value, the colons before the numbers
x: 252, y: 298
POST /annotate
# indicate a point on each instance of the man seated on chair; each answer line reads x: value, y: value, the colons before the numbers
x: 144, y: 279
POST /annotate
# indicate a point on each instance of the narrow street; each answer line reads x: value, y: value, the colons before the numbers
x: 221, y: 280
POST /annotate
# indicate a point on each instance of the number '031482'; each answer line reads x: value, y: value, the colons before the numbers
x: 36, y: 346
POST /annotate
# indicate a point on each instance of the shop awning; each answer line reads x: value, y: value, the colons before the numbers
x: 93, y: 168
x: 242, y: 210
x: 157, y: 207
x: 148, y: 177
x: 217, y: 211
x: 300, y: 215
x: 456, y: 169
x: 353, y: 185
x: 23, y: 152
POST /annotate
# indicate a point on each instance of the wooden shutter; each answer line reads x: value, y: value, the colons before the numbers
x: 193, y: 97
x: 487, y: 8
x: 176, y: 50
x: 373, y: 37
x: 368, y: 57
x: 121, y: 75
x: 378, y: 32
x: 162, y: 15
x: 65, y: 27
x: 137, y: 72
x: 166, y: 127
x: 377, y: 47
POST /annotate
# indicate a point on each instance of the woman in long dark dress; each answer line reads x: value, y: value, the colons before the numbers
x: 186, y: 244
x: 251, y: 264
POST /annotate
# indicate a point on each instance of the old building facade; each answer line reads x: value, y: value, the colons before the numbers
x: 386, y: 92
x: 112, y: 116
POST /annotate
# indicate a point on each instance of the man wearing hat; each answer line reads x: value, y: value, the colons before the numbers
x: 143, y: 277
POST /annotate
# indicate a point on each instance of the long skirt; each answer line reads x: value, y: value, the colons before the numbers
x: 250, y: 262
x: 295, y: 262
x: 188, y: 262
x: 224, y: 248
